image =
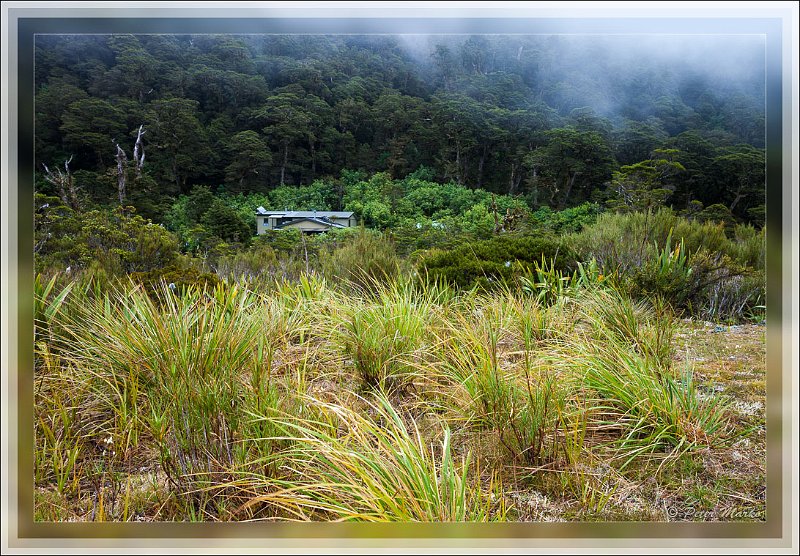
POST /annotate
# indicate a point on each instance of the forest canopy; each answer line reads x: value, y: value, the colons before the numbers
x: 628, y: 122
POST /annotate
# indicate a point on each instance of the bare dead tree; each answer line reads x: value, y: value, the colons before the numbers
x: 138, y: 152
x: 494, y: 211
x: 122, y: 163
x: 64, y: 182
x: 516, y: 178
x: 58, y: 181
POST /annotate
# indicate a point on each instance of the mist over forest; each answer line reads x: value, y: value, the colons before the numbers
x: 546, y: 118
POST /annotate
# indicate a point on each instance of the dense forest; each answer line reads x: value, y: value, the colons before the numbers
x: 552, y: 307
x: 555, y: 120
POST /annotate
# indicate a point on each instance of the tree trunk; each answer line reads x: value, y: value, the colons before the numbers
x: 568, y: 190
x: 480, y: 168
x: 513, y: 182
x: 739, y: 197
x: 458, y: 163
x: 494, y: 212
x: 176, y: 176
x: 285, y: 160
x: 122, y: 162
x: 516, y: 178
x: 138, y: 152
x: 517, y: 182
x: 73, y: 194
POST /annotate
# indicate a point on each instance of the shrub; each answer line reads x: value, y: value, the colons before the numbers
x: 495, y: 262
x: 117, y: 241
x: 247, y: 265
x: 183, y: 277
x: 422, y: 233
x: 748, y: 246
x: 668, y: 275
x: 364, y: 260
x: 624, y: 241
x: 282, y: 240
x: 692, y: 265
x: 225, y: 223
x: 569, y: 220
x: 733, y: 297
x: 549, y: 285
x: 718, y: 213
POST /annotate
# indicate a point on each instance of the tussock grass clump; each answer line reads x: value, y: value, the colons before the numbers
x: 381, y: 335
x: 47, y: 303
x: 521, y: 406
x: 626, y: 361
x: 371, y: 466
x: 180, y: 370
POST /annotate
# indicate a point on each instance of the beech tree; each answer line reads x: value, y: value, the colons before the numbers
x: 251, y: 158
x: 645, y: 185
x: 287, y: 120
x: 740, y: 172
x: 179, y: 135
x: 571, y: 158
x: 93, y: 125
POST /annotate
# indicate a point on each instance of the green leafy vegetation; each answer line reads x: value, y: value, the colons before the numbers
x: 254, y: 114
x: 493, y: 262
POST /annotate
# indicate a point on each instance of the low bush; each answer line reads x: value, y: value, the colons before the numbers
x: 693, y: 265
x: 493, y: 263
x: 569, y: 220
x: 182, y: 277
x: 363, y: 261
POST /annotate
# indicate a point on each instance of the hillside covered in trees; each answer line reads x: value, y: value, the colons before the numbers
x: 553, y: 120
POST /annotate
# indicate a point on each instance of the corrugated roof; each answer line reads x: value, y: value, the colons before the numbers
x: 322, y: 221
x: 261, y: 211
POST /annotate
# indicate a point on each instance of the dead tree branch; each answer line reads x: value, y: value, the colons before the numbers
x: 122, y: 162
x: 64, y: 182
x: 138, y: 152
